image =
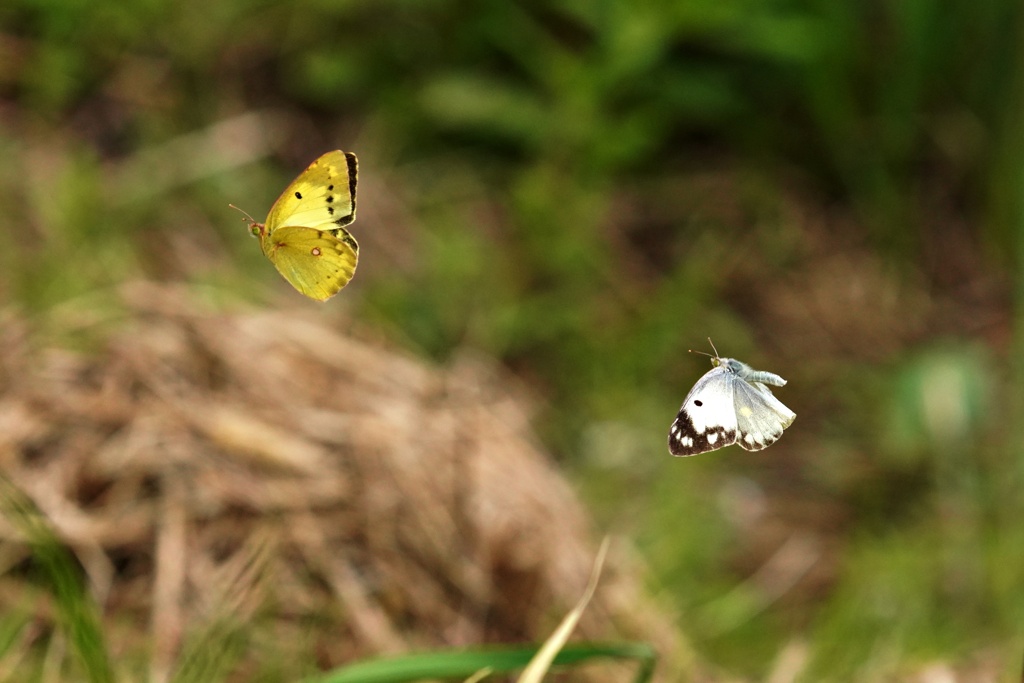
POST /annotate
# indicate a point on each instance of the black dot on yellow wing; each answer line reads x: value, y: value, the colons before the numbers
x: 315, y: 251
x: 330, y: 188
x: 330, y: 198
x: 298, y: 195
x: 330, y: 210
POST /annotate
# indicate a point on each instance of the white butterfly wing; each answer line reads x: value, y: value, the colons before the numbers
x: 760, y: 417
x: 707, y: 418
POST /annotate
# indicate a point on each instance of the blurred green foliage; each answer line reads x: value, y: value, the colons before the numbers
x: 73, y: 603
x: 596, y: 187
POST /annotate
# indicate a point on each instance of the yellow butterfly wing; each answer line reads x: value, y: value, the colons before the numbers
x: 318, y: 263
x: 324, y: 193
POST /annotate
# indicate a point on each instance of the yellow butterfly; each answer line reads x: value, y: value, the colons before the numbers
x: 305, y: 236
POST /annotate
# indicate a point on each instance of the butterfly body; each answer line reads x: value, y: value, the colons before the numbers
x: 305, y: 236
x: 730, y: 404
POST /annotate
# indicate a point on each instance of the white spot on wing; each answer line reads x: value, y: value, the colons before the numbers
x: 713, y: 437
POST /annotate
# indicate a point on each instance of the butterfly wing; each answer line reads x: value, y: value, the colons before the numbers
x: 324, y: 193
x: 318, y: 263
x: 760, y: 417
x: 707, y: 418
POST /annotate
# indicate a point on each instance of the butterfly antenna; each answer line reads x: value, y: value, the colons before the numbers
x: 251, y: 219
x: 713, y: 347
x: 705, y: 353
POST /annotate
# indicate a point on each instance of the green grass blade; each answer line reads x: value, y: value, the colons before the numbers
x: 77, y: 612
x: 461, y: 664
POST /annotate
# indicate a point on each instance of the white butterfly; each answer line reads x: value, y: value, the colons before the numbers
x: 730, y: 404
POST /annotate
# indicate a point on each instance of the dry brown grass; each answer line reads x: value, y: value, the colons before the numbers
x: 268, y: 466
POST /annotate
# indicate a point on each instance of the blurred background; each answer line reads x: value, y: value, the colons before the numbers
x: 574, y: 194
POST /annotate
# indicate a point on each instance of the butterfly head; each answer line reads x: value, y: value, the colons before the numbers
x: 716, y: 360
x: 256, y: 228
